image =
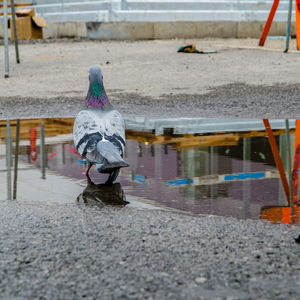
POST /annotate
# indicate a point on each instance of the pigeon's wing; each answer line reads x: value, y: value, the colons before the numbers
x: 92, y: 126
x: 113, y: 129
x: 86, y: 132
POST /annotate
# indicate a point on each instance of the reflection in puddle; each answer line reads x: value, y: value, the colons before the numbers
x: 278, y: 214
x: 204, y: 166
x: 101, y: 194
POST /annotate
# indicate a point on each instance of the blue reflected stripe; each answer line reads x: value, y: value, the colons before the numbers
x: 142, y: 185
x: 81, y: 162
x: 177, y: 182
x: 139, y: 178
x: 244, y: 176
x: 222, y: 178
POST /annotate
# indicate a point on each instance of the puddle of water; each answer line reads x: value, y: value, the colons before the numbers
x: 204, y: 166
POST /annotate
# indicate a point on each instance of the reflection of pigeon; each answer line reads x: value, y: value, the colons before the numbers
x: 103, y: 194
x: 298, y: 239
x: 99, y: 130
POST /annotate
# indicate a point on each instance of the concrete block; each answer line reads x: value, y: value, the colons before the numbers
x: 120, y: 31
x: 254, y: 29
x: 161, y: 30
x: 251, y: 29
x: 70, y: 29
x: 279, y: 28
x: 224, y: 29
x: 167, y: 30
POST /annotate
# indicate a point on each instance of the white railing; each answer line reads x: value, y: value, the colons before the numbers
x: 158, y: 10
x: 57, y: 11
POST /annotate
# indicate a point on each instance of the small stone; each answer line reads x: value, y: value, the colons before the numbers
x: 200, y: 279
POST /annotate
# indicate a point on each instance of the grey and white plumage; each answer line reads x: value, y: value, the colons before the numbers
x: 99, y: 130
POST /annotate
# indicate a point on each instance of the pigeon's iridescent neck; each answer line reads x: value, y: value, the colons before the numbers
x: 96, y: 96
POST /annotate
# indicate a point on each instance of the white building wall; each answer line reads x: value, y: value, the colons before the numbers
x: 156, y: 19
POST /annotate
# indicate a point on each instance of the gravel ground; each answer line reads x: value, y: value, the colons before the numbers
x: 74, y: 252
x: 232, y: 100
x: 151, y: 78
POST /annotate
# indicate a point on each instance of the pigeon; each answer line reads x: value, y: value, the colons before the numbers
x: 99, y: 131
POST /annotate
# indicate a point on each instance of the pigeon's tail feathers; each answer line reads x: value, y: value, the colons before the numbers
x: 112, y: 158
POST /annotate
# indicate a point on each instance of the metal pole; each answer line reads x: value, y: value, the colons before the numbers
x: 16, y: 159
x: 213, y: 170
x: 282, y: 153
x: 287, y: 132
x: 13, y: 13
x: 288, y: 29
x: 246, y: 168
x: 8, y: 159
x: 6, y: 58
x: 42, y: 150
x: 63, y: 153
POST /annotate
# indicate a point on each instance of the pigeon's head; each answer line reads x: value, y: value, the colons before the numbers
x: 96, y: 96
x: 95, y: 74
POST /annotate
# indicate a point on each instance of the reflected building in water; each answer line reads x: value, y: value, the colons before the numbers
x: 194, y: 179
x: 230, y: 173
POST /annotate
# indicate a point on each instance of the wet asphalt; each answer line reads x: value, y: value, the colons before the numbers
x: 74, y: 251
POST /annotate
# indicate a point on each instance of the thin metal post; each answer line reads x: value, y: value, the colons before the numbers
x: 287, y: 133
x: 246, y: 168
x: 282, y: 154
x: 63, y: 153
x: 8, y: 159
x: 13, y: 13
x: 213, y: 159
x: 288, y: 29
x: 6, y: 55
x: 16, y: 159
x: 42, y: 150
